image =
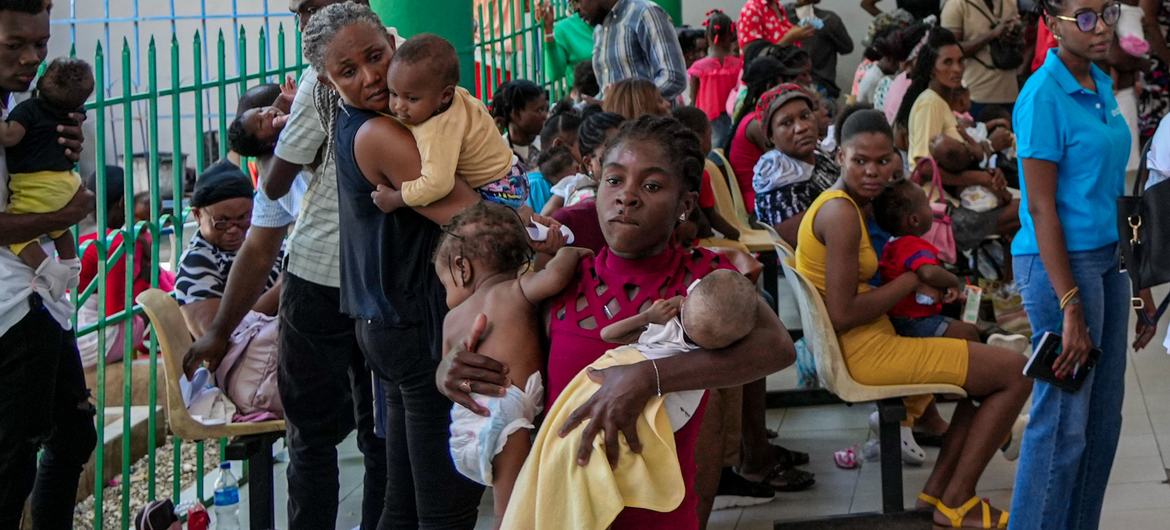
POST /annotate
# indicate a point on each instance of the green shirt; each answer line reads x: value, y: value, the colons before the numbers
x: 573, y: 44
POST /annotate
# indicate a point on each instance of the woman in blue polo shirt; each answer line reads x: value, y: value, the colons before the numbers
x: 1073, y: 147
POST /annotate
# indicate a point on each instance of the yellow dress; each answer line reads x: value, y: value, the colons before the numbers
x: 874, y: 353
x: 553, y: 492
x: 41, y: 192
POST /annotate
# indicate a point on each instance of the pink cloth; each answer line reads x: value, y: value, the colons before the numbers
x: 604, y: 279
x: 247, y: 373
x: 743, y: 157
x: 858, y: 74
x: 894, y: 96
x: 717, y: 77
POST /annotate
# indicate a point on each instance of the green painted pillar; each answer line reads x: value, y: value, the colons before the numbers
x: 672, y: 8
x: 412, y: 17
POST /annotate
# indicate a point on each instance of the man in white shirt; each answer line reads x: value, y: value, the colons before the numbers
x: 43, y: 400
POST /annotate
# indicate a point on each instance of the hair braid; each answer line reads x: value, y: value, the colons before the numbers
x: 679, y: 144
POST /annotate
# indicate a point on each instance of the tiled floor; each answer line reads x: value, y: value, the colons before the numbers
x: 1138, y: 497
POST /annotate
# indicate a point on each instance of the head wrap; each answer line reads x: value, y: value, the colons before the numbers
x: 779, y: 96
x: 220, y: 182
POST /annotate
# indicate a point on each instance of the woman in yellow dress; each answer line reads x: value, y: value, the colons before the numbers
x: 834, y: 252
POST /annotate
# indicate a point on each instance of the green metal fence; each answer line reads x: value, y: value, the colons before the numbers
x: 193, y: 108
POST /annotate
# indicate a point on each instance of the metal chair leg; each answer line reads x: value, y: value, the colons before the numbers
x: 257, y: 450
x: 891, y: 412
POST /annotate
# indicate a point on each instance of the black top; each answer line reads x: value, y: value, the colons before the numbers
x: 921, y: 8
x: 386, y: 271
x: 39, y: 150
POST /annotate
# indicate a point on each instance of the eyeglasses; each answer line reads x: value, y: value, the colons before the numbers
x: 222, y: 225
x: 1086, y: 19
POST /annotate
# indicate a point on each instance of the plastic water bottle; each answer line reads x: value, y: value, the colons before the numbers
x: 227, y: 499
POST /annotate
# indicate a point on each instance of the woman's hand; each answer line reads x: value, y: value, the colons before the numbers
x: 211, y: 347
x: 797, y: 34
x: 462, y: 371
x: 1076, y: 341
x: 553, y: 242
x: 1143, y: 332
x: 1001, y: 139
x: 613, y: 409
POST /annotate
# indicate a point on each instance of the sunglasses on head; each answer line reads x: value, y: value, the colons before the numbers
x: 1086, y: 19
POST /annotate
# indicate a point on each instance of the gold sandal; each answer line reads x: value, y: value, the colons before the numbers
x: 956, y: 515
x: 931, y: 502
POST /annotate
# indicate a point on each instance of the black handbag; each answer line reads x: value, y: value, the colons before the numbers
x: 1143, y: 223
x: 1007, y: 50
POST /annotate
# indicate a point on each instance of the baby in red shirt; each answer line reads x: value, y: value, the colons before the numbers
x: 904, y: 211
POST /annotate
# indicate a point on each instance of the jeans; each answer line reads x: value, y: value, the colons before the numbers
x: 1071, y: 440
x: 327, y: 391
x: 423, y: 489
x: 43, y: 404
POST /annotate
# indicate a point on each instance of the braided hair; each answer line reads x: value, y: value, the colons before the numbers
x: 679, y: 144
x: 488, y: 233
x: 595, y: 128
x: 923, y: 71
x: 720, y: 28
x: 512, y: 97
x: 562, y: 119
x: 322, y: 28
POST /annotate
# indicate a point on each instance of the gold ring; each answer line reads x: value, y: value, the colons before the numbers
x: 465, y: 386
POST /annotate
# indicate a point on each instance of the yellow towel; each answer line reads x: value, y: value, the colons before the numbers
x: 553, y: 492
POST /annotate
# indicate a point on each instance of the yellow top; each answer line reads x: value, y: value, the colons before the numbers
x: 462, y: 140
x: 874, y: 353
x: 811, y: 254
x: 930, y: 115
x: 552, y: 491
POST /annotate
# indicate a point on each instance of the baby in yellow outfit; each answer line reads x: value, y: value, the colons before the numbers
x: 42, y: 177
x: 455, y: 133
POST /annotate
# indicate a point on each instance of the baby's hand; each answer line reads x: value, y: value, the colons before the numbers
x: 576, y: 253
x: 661, y: 311
x: 951, y: 295
x: 387, y: 199
x: 288, y: 92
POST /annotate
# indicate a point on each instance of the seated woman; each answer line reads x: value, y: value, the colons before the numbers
x: 836, y: 255
x: 650, y: 176
x: 938, y: 70
x: 790, y: 176
x: 222, y: 205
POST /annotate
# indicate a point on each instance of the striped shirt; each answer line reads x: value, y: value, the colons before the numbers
x: 638, y: 40
x: 313, y: 247
x: 204, y: 269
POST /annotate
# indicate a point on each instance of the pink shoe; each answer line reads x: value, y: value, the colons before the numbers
x: 847, y: 458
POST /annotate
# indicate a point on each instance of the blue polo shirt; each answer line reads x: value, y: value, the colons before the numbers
x: 1084, y: 134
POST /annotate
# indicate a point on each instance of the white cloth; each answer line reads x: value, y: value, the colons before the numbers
x: 667, y: 340
x: 267, y: 213
x: 16, y: 278
x: 776, y: 170
x: 868, y: 84
x: 476, y: 440
x: 1127, y: 102
x: 1158, y: 160
x: 565, y: 188
x: 205, y: 403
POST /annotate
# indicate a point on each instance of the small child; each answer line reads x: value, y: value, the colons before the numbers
x: 713, y: 315
x: 42, y: 177
x: 903, y: 210
x: 595, y: 131
x: 714, y: 77
x: 555, y: 164
x: 255, y: 130
x: 455, y: 134
x: 957, y: 156
x: 585, y: 87
x: 478, y: 260
x: 520, y: 108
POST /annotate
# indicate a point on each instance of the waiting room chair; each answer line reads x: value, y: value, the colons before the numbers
x: 249, y: 441
x: 834, y: 375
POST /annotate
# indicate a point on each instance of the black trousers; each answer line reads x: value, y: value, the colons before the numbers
x: 327, y: 391
x: 43, y: 404
x: 424, y: 490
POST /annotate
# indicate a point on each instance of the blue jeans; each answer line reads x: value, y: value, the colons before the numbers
x: 1071, y: 440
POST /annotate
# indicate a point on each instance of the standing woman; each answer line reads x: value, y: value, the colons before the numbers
x: 567, y: 43
x: 1073, y: 146
x: 387, y: 283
